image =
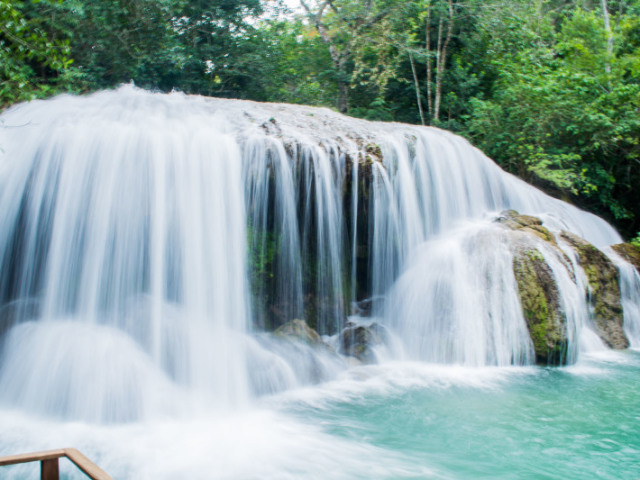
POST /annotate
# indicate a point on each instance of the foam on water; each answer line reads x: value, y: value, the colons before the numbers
x: 248, y: 445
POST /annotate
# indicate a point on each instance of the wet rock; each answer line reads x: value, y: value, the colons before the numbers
x: 298, y: 330
x: 306, y: 353
x: 540, y: 302
x: 363, y: 308
x: 604, y: 295
x: 537, y: 286
x: 525, y: 223
x: 359, y: 341
x: 539, y: 294
x: 629, y: 252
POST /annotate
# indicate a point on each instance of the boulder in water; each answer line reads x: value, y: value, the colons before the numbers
x: 363, y: 308
x: 540, y: 302
x: 298, y: 330
x: 307, y: 355
x: 604, y: 294
x: 537, y: 287
x: 358, y: 341
x: 539, y: 293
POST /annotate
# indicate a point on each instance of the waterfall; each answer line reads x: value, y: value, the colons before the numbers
x: 630, y: 293
x: 128, y: 220
x: 147, y: 241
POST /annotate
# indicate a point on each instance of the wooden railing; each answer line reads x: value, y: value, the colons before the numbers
x: 49, y: 469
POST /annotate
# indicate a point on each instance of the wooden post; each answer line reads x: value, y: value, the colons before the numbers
x: 49, y: 469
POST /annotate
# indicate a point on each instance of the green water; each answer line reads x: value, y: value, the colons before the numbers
x: 537, y: 423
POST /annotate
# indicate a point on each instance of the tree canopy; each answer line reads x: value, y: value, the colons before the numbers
x: 550, y: 89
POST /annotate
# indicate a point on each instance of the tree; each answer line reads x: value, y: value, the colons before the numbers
x: 300, y: 68
x: 342, y: 25
x: 563, y: 110
x: 33, y: 61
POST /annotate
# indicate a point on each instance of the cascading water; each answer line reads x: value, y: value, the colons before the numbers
x: 123, y: 224
x: 148, y: 242
x: 630, y: 293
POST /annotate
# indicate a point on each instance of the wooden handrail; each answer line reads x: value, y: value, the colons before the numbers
x: 49, y: 463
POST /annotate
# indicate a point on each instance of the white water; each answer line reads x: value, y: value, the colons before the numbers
x: 133, y: 227
x: 630, y: 293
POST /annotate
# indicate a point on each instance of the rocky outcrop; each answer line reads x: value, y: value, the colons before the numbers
x: 525, y: 224
x: 629, y: 252
x: 356, y: 341
x: 604, y: 291
x: 538, y: 289
x: 540, y: 302
x: 359, y: 341
x: 364, y: 308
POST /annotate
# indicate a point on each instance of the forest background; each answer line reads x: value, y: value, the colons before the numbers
x: 550, y: 89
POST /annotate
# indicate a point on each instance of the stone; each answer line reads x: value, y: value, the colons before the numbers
x: 359, y: 341
x: 604, y: 291
x: 540, y: 302
x: 525, y: 223
x: 298, y: 330
x: 629, y: 252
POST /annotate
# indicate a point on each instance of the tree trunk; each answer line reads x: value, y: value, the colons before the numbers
x: 343, y: 84
x: 609, y: 35
x: 436, y: 100
x: 343, y: 96
x: 428, y: 40
x: 441, y: 58
x: 417, y: 86
x: 337, y: 59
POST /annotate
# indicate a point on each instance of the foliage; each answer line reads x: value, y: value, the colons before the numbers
x: 300, y: 68
x: 549, y: 89
x: 33, y: 62
x: 562, y: 113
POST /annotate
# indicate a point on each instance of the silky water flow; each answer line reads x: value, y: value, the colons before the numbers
x: 150, y: 243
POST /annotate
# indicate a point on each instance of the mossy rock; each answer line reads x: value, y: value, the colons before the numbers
x: 298, y: 330
x: 539, y: 298
x: 604, y: 285
x: 373, y: 152
x: 629, y: 252
x: 525, y: 223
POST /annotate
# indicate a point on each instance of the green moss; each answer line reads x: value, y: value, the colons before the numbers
x: 630, y: 252
x: 538, y: 336
x: 262, y: 248
x: 373, y: 153
x: 604, y: 291
x: 539, y: 301
x: 540, y: 231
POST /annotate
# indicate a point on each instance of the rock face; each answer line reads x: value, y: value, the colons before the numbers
x: 629, y: 252
x: 540, y: 305
x: 539, y: 294
x: 525, y: 224
x: 358, y: 341
x: 604, y: 298
x: 537, y: 287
